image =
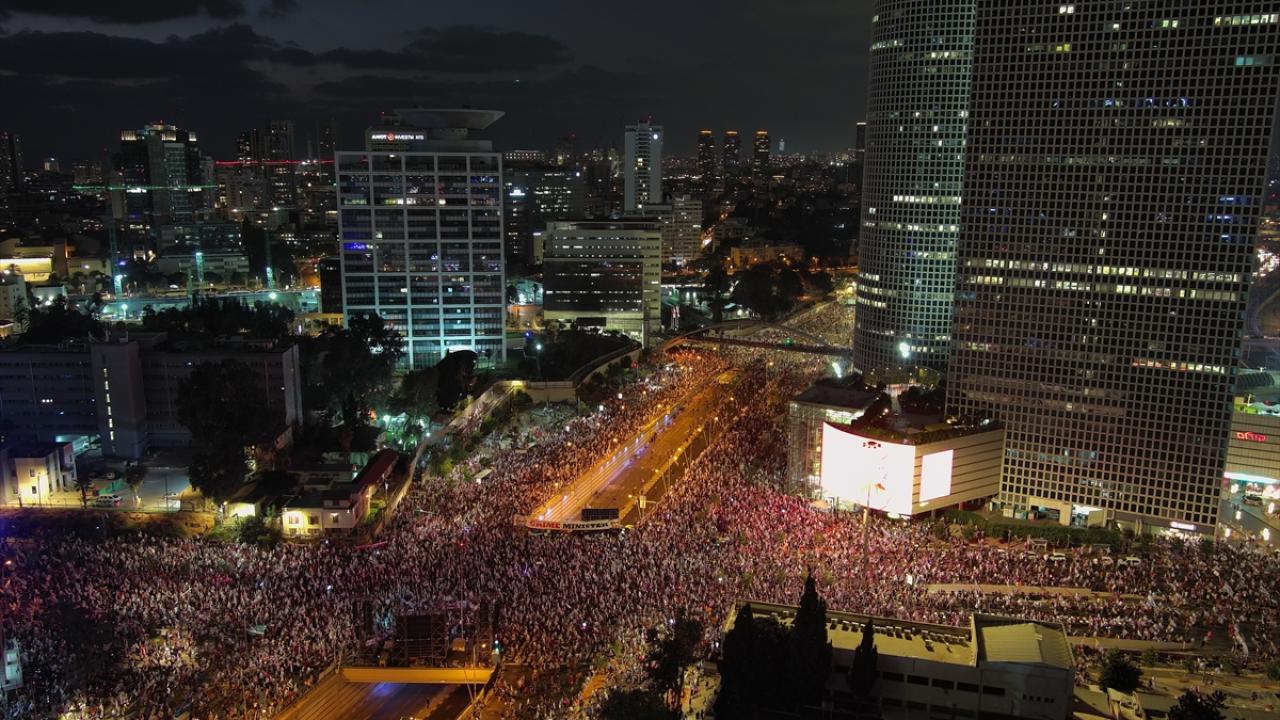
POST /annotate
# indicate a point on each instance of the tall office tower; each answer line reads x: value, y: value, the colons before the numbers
x: 420, y: 227
x: 731, y: 151
x: 1113, y: 181
x: 248, y: 145
x: 11, y: 167
x: 327, y: 145
x: 160, y: 176
x: 707, y: 158
x: 642, y: 173
x: 280, y: 170
x: 918, y: 101
x: 760, y: 154
x: 605, y: 273
x: 859, y: 142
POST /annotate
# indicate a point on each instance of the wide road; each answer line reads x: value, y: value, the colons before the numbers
x: 336, y: 698
x: 620, y: 480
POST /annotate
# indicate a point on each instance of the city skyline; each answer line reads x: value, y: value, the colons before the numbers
x: 224, y: 67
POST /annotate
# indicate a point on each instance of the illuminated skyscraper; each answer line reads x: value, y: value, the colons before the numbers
x: 1113, y: 188
x: 11, y: 167
x: 731, y: 153
x: 707, y: 157
x: 159, y: 177
x: 760, y: 154
x: 280, y: 173
x: 642, y: 173
x: 420, y: 227
x: 915, y: 133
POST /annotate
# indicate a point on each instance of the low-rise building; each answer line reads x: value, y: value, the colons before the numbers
x: 745, y: 256
x: 860, y: 447
x: 31, y: 473
x: 13, y: 295
x: 342, y: 506
x: 1253, y: 452
x: 996, y: 667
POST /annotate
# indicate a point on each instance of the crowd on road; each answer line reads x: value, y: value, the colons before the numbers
x: 236, y: 631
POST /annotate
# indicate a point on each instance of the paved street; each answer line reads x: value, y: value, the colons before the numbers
x: 619, y: 481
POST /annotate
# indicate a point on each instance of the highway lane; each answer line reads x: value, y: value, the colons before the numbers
x: 619, y: 480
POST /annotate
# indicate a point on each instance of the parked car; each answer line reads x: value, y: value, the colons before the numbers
x: 107, y: 501
x: 1252, y: 499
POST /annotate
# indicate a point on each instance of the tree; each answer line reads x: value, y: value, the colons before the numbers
x: 670, y: 654
x: 219, y: 404
x: 1193, y: 705
x: 1119, y: 673
x: 134, y: 475
x: 217, y: 471
x: 636, y: 704
x: 716, y: 285
x: 84, y: 484
x: 1273, y: 670
x: 862, y: 671
x: 811, y: 652
x: 51, y: 324
x: 254, y: 530
x: 454, y: 375
x: 737, y: 658
x: 416, y: 395
x: 357, y: 361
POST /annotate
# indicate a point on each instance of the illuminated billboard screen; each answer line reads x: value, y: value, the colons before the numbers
x: 854, y: 467
x: 935, y: 475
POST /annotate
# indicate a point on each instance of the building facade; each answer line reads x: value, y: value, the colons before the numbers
x: 730, y: 153
x: 1109, y: 220
x: 126, y: 392
x: 12, y: 170
x: 994, y: 668
x: 1253, y: 446
x: 420, y: 227
x: 760, y: 154
x: 159, y: 177
x: 605, y: 274
x: 911, y: 182
x: 707, y: 158
x: 642, y: 171
x: 30, y: 474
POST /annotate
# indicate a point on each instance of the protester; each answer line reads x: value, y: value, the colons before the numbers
x: 238, y: 631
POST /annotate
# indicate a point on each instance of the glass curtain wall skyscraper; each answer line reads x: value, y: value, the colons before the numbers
x: 1114, y: 178
x: 917, y: 113
x: 420, y: 225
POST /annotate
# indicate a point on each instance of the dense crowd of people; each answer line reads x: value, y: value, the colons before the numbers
x: 238, y: 631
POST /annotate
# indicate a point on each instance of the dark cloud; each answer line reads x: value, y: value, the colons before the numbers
x: 274, y: 9
x: 460, y: 49
x: 97, y: 55
x: 464, y: 49
x: 125, y: 11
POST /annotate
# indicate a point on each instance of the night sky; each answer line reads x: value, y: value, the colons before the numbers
x: 73, y: 73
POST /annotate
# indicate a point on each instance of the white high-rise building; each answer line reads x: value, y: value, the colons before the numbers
x: 642, y: 172
x: 681, y: 218
x: 918, y: 101
x: 1114, y: 181
x: 420, y: 224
